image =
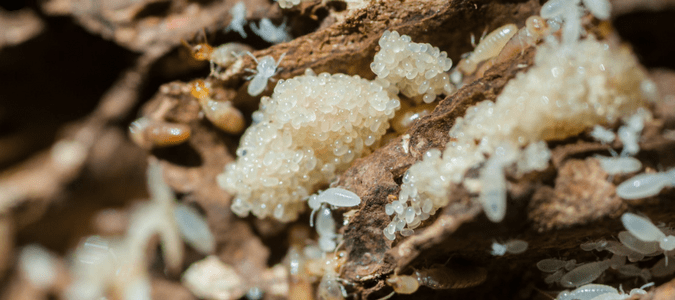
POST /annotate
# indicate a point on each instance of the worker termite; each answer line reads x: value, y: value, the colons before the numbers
x: 512, y: 247
x: 643, y: 229
x: 265, y: 69
x: 219, y: 57
x: 601, y: 292
x: 489, y: 47
x: 535, y: 29
x: 438, y: 277
x: 221, y: 113
x: 407, y: 115
x: 148, y: 133
x: 585, y: 273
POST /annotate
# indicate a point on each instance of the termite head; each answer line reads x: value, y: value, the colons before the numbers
x: 201, y: 51
x: 200, y: 89
x: 536, y: 25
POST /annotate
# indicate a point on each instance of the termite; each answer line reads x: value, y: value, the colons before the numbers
x: 221, y: 113
x: 438, y: 277
x: 489, y: 47
x: 149, y: 133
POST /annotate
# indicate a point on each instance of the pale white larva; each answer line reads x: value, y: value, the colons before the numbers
x: 635, y: 271
x: 602, y: 134
x: 333, y: 196
x: 194, y: 228
x: 619, y: 165
x: 270, y: 33
x: 238, y: 12
x: 643, y: 229
x: 325, y: 227
x: 584, y: 274
x: 488, y: 47
x: 551, y: 265
x: 339, y: 197
x: 493, y: 193
x: 635, y: 244
x: 265, y: 69
x: 601, y: 292
x: 512, y: 247
x: 662, y: 268
x: 645, y: 185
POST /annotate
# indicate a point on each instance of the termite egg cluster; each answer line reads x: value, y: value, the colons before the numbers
x: 417, y: 70
x: 311, y: 128
x: 551, y: 101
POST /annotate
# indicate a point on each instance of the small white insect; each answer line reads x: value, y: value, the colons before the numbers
x: 270, y: 33
x: 645, y: 185
x: 330, y: 287
x: 338, y: 197
x: 646, y: 231
x: 662, y: 269
x: 551, y: 265
x: 603, y: 134
x: 617, y: 261
x: 325, y: 227
x: 620, y: 249
x: 598, y: 245
x: 266, y: 68
x: 584, y: 274
x: 488, y: 47
x: 635, y: 244
x: 238, y: 12
x: 569, y: 12
x: 601, y: 292
x: 512, y: 247
x: 619, y: 165
x: 554, y: 277
x: 493, y: 193
x: 634, y: 271
x: 194, y: 229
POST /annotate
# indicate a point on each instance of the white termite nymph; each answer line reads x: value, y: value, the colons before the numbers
x: 238, y: 12
x: 493, y: 182
x: 645, y: 185
x: 488, y: 47
x: 635, y: 271
x: 333, y: 196
x: 601, y: 292
x: 194, y: 228
x: 270, y: 33
x: 551, y: 265
x: 662, y: 268
x: 602, y: 134
x: 619, y: 165
x: 635, y: 244
x: 512, y: 247
x: 598, y: 245
x: 266, y: 68
x: 584, y: 274
x: 646, y: 231
x: 325, y: 227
